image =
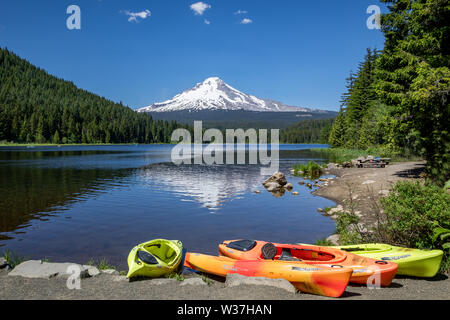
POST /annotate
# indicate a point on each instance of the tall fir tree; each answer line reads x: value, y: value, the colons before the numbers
x: 414, y: 78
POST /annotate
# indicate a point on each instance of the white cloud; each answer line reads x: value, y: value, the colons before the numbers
x: 246, y: 21
x: 133, y: 16
x: 207, y: 22
x: 199, y: 7
x: 241, y: 12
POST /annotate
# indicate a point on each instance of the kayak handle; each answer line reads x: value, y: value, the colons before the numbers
x: 381, y: 262
x: 154, y: 245
x: 337, y: 266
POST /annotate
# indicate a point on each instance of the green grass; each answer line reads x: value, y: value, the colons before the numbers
x: 101, y: 265
x: 311, y: 169
x: 12, y: 258
x: 176, y: 276
x: 341, y: 155
x: 207, y: 280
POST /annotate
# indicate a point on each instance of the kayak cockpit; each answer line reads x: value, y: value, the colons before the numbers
x: 163, y: 250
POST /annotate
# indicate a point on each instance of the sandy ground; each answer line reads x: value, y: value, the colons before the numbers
x: 366, y: 185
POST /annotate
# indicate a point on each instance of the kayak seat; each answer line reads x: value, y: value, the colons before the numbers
x: 269, y: 251
x: 242, y: 245
x: 287, y: 256
x: 170, y: 253
x: 147, y: 257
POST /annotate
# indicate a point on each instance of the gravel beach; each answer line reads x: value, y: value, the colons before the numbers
x: 109, y: 287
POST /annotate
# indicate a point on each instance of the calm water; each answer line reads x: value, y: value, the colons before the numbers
x: 78, y: 203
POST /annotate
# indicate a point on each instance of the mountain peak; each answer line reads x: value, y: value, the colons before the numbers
x: 213, y: 80
x: 214, y: 94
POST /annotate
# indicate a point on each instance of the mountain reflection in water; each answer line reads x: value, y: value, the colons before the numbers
x: 210, y: 186
x: 78, y: 203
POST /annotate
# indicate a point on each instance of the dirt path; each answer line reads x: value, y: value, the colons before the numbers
x: 364, y: 185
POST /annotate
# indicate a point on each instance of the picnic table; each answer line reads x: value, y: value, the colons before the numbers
x: 372, y: 162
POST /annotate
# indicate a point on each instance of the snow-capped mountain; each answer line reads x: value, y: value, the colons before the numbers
x: 215, y: 94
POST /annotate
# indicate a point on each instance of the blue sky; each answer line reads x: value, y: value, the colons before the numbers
x: 296, y: 52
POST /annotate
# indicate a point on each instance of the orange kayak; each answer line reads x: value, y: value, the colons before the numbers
x: 365, y: 270
x: 330, y: 282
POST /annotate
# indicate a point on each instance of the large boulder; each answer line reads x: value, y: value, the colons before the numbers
x: 272, y: 187
x: 46, y: 270
x: 334, y: 239
x: 277, y: 177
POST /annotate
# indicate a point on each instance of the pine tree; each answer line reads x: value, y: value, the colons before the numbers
x: 55, y: 138
x: 338, y: 131
x: 414, y: 78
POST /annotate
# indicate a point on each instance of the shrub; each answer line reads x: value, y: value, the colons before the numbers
x: 347, y: 228
x: 323, y: 242
x: 413, y: 215
x: 412, y: 212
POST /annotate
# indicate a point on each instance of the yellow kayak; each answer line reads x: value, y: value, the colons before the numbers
x: 155, y: 258
x: 411, y: 262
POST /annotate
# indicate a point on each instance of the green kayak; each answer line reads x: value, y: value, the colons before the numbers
x: 411, y: 262
x: 155, y: 258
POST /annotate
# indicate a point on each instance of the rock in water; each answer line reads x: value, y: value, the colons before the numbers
x: 272, y: 186
x: 277, y: 177
x: 289, y: 186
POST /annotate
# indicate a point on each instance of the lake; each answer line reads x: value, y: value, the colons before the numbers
x: 75, y: 203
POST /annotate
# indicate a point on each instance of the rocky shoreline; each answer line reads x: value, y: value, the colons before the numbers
x: 361, y: 189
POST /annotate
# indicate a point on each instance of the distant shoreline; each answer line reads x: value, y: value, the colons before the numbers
x: 113, y: 144
x: 77, y: 144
